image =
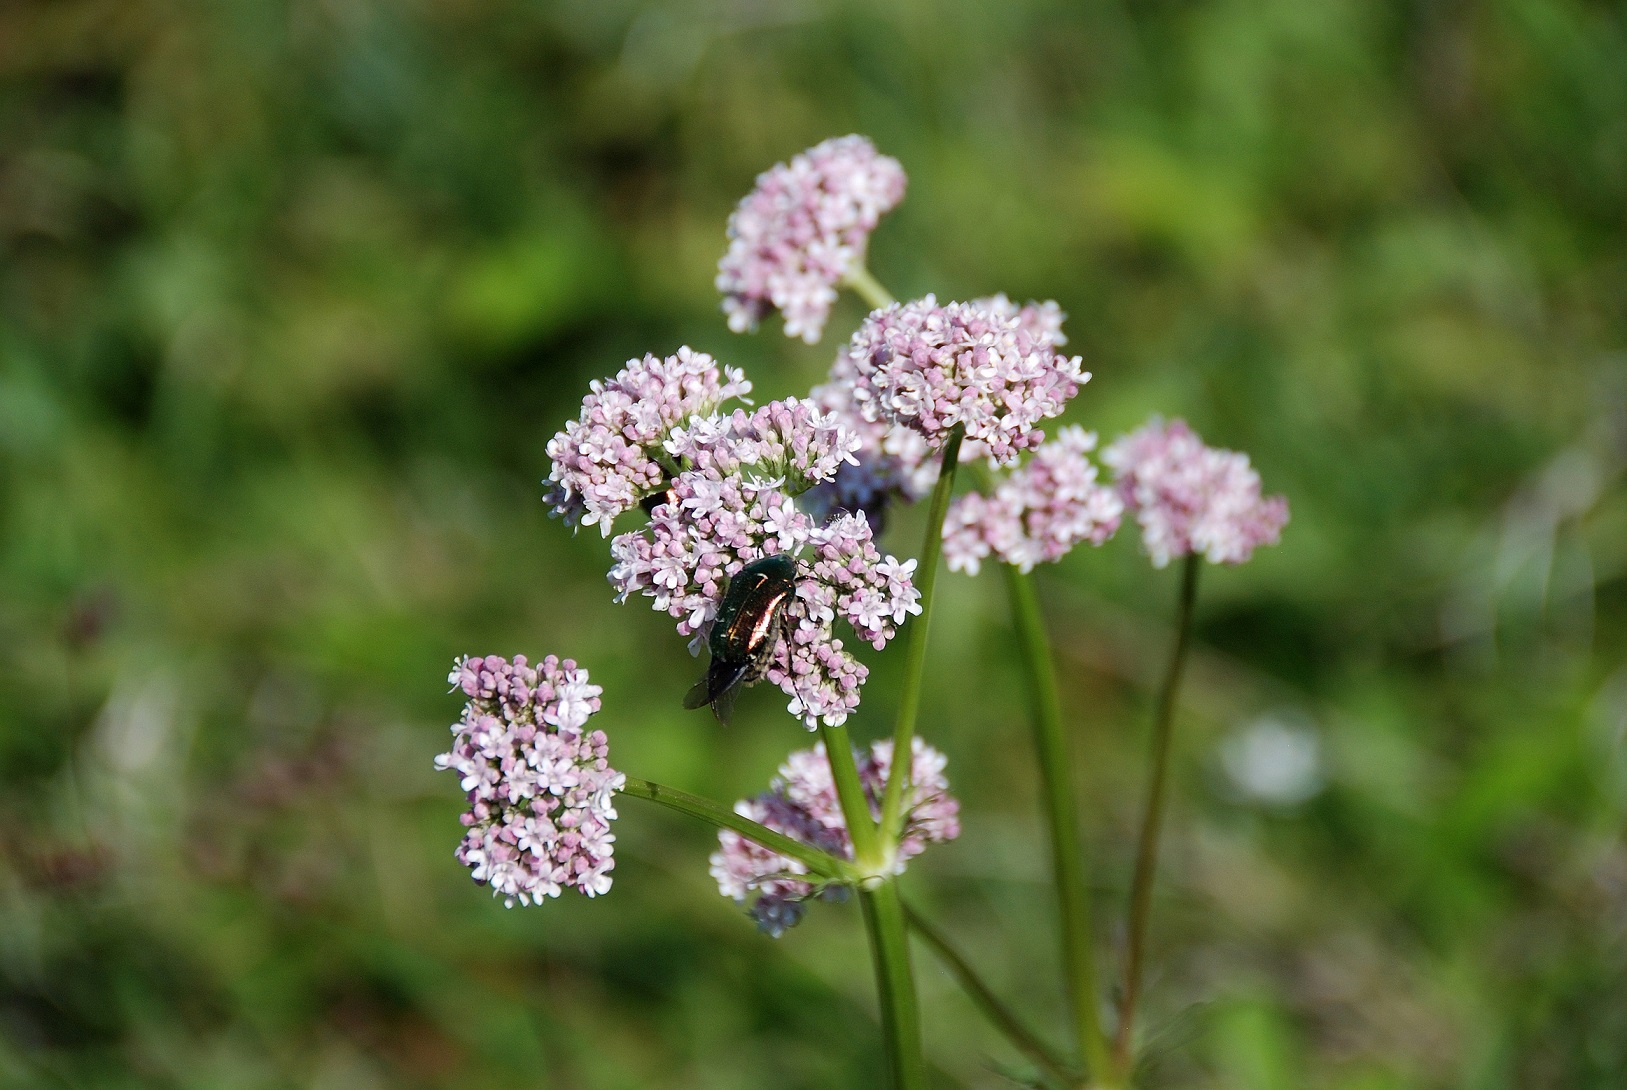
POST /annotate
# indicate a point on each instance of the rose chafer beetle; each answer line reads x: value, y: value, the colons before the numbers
x: 750, y: 621
x: 662, y: 495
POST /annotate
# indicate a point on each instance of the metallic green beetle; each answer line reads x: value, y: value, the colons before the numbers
x: 749, y: 623
x: 661, y: 495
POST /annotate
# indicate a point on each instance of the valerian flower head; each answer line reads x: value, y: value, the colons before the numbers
x: 540, y: 787
x: 1036, y: 514
x: 737, y: 505
x: 929, y: 368
x: 894, y: 461
x: 804, y: 227
x: 1189, y: 498
x: 801, y: 802
x: 611, y: 456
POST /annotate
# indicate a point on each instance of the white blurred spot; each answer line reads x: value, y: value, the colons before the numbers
x: 131, y: 771
x: 1274, y: 760
x: 135, y: 726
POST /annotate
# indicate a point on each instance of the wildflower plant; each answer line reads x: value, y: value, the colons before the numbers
x: 755, y: 528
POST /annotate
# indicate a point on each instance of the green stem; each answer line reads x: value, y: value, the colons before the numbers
x: 982, y: 997
x: 861, y: 824
x: 868, y: 288
x: 883, y: 918
x: 1153, y: 818
x: 890, y: 952
x: 926, y: 578
x: 817, y: 862
x: 1067, y: 850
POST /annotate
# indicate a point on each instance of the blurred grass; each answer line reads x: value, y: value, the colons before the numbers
x: 293, y: 294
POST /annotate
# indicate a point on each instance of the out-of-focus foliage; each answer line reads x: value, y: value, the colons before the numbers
x: 292, y: 295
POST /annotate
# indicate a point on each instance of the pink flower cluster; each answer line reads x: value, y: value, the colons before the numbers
x: 540, y: 787
x: 611, y: 457
x: 1038, y: 513
x: 929, y: 367
x: 801, y: 802
x: 735, y: 505
x: 1190, y: 498
x: 804, y: 227
x: 895, y: 460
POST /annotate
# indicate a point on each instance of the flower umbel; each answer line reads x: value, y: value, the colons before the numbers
x: 539, y: 784
x: 1190, y: 498
x: 894, y: 460
x: 612, y: 456
x: 801, y: 802
x: 1038, y: 513
x: 929, y: 367
x: 804, y: 227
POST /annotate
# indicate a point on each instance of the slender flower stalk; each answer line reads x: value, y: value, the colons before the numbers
x: 909, y: 701
x: 1002, y: 1017
x: 817, y: 862
x: 861, y: 824
x: 1061, y: 814
x: 868, y: 288
x: 1153, y: 818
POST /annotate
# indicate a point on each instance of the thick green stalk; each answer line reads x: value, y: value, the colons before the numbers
x: 883, y: 918
x: 890, y: 951
x: 861, y: 824
x: 868, y: 288
x: 983, y: 998
x: 1152, y: 820
x: 926, y: 579
x: 1061, y: 813
x: 817, y: 862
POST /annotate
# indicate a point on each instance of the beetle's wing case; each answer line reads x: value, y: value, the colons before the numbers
x: 756, y: 593
x: 749, y: 623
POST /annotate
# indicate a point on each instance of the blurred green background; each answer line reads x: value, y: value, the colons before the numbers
x: 292, y: 295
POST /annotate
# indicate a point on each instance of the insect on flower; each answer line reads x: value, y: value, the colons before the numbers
x: 749, y: 623
x: 663, y: 494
